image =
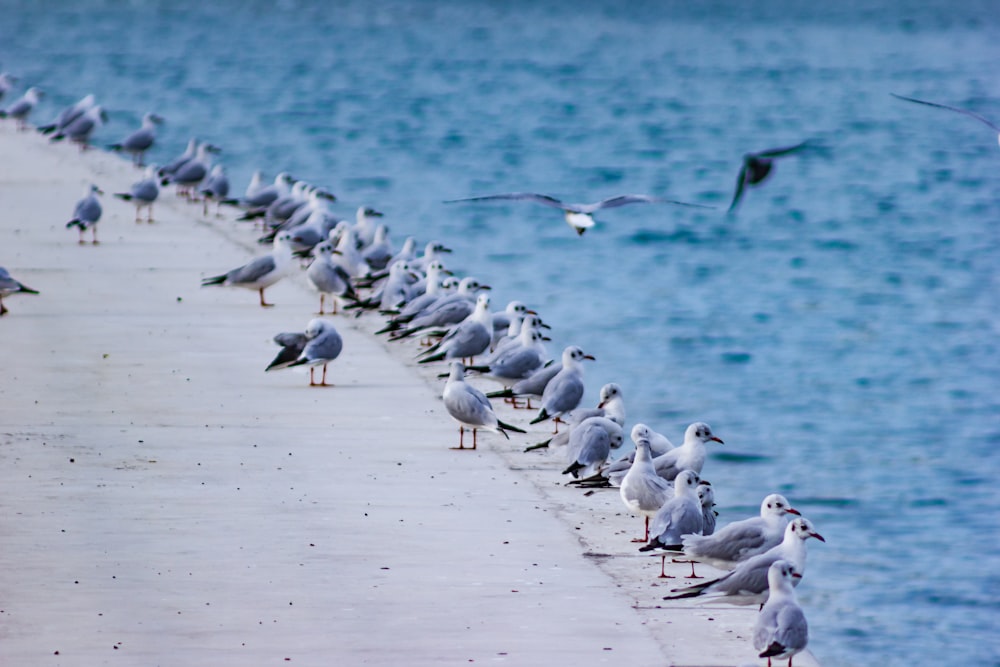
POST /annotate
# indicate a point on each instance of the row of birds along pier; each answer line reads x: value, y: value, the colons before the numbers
x: 495, y: 369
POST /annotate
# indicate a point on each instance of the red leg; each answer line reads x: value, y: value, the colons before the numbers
x: 473, y: 438
x: 262, y: 302
x: 323, y: 382
x: 663, y: 565
x: 645, y: 539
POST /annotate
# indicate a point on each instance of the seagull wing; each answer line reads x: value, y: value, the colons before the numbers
x: 740, y: 182
x: 625, y: 200
x: 544, y: 200
x: 778, y: 152
x: 966, y: 112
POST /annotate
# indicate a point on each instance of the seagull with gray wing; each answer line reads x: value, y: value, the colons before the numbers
x: 578, y: 216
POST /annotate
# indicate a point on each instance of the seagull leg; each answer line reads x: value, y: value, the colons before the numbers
x: 322, y: 300
x: 93, y: 231
x: 323, y: 383
x: 138, y: 218
x: 690, y: 562
x: 312, y: 381
x: 645, y: 539
x: 473, y: 438
x: 461, y: 437
x: 81, y: 236
x: 3, y: 308
x: 663, y: 564
x: 149, y: 214
x: 263, y: 303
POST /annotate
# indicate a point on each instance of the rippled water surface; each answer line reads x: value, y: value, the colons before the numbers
x: 839, y: 331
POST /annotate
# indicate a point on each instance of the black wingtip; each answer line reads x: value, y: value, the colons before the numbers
x: 542, y: 416
x: 509, y: 427
x: 774, y: 649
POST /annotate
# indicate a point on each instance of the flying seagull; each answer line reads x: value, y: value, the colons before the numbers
x: 757, y: 167
x: 965, y: 112
x: 578, y: 216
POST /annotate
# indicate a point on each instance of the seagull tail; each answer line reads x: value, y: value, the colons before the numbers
x: 75, y: 222
x: 690, y: 591
x: 47, y: 129
x: 509, y: 427
x: 573, y: 468
x: 434, y: 357
x: 114, y: 147
x: 542, y: 416
x: 478, y: 369
x: 124, y: 195
x: 774, y: 649
x: 215, y: 280
x: 503, y: 393
x: 24, y: 289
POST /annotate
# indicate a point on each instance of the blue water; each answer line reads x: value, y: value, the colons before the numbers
x: 840, y: 332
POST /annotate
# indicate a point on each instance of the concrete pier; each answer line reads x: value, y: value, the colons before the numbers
x: 163, y: 501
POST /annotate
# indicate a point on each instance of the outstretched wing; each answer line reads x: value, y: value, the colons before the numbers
x: 544, y: 200
x: 740, y: 182
x: 778, y: 152
x: 624, y: 200
x: 966, y: 112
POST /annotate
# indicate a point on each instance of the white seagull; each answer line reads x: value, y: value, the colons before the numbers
x: 578, y: 216
x: 469, y: 407
x: 261, y: 272
x: 744, y: 539
x: 87, y: 213
x: 781, y: 630
x: 323, y: 345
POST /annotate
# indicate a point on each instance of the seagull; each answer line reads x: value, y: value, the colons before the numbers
x: 323, y: 345
x: 468, y: 338
x: 706, y: 496
x: 292, y: 345
x: 680, y: 515
x: 68, y: 115
x: 642, y: 490
x: 194, y: 171
x: 328, y: 277
x: 260, y: 273
x: 744, y: 539
x: 690, y: 455
x: 469, y: 407
x: 10, y: 286
x: 564, y: 391
x: 143, y: 193
x: 590, y: 443
x: 178, y: 162
x: 79, y: 130
x: 747, y: 584
x: 87, y: 212
x: 137, y: 143
x: 757, y: 167
x: 214, y: 187
x: 22, y: 108
x: 578, y: 216
x: 966, y: 112
x: 780, y: 630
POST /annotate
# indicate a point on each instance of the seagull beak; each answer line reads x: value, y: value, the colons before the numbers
x: 796, y: 575
x: 484, y: 286
x: 818, y: 537
x: 792, y: 510
x: 718, y: 440
x: 546, y: 338
x: 600, y: 405
x: 589, y: 356
x: 530, y: 312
